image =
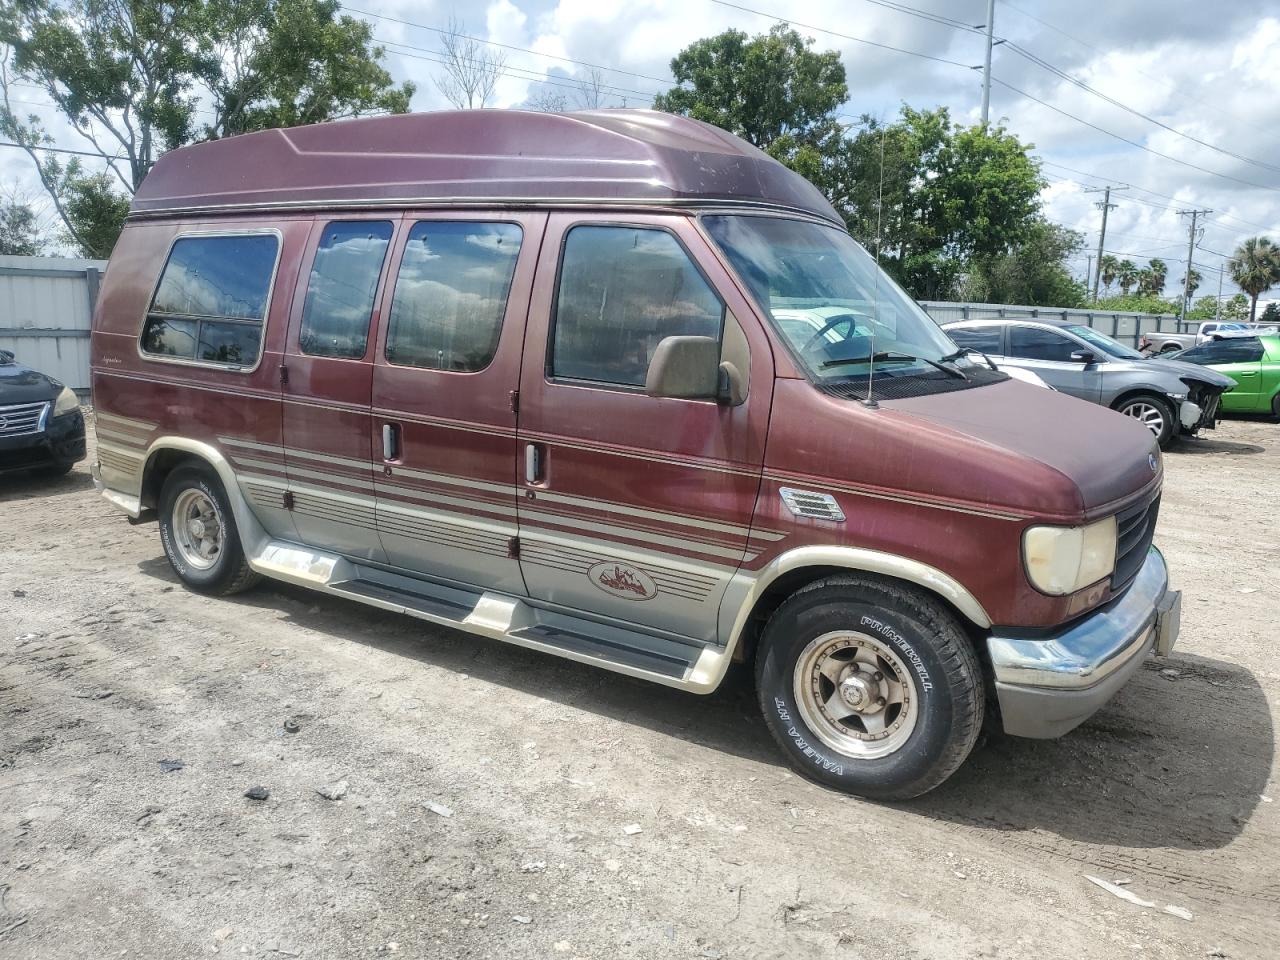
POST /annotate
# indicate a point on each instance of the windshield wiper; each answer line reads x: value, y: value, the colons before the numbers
x: 966, y: 352
x: 888, y: 357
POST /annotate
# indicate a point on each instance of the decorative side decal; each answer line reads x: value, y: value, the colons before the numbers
x: 623, y: 580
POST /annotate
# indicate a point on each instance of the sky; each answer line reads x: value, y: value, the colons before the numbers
x: 1193, y: 71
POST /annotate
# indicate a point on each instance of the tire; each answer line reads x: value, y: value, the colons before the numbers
x: 1145, y: 407
x: 207, y: 556
x: 1170, y: 348
x: 1275, y: 406
x: 876, y: 631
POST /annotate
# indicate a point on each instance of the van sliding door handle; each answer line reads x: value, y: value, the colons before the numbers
x: 390, y: 441
x: 534, y: 463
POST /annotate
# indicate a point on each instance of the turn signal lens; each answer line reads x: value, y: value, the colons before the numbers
x: 1062, y: 560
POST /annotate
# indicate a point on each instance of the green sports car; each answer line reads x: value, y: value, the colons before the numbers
x: 1252, y: 362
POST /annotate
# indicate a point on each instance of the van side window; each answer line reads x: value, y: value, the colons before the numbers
x: 1033, y: 343
x: 212, y: 298
x: 344, y: 279
x: 451, y: 294
x: 622, y: 291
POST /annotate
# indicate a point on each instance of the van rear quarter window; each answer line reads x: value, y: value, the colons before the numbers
x: 622, y: 291
x: 451, y: 294
x: 211, y: 299
x: 344, y: 280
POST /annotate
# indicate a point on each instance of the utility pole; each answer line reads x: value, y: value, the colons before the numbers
x: 986, y: 70
x: 1191, y: 246
x: 1104, y: 205
x: 1217, y: 311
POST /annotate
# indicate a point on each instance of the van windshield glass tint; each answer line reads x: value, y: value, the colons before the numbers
x: 828, y: 298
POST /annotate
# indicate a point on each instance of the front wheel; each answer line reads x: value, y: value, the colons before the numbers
x: 1154, y: 413
x: 870, y: 687
x: 198, y: 530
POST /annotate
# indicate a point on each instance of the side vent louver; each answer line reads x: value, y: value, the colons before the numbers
x: 811, y: 504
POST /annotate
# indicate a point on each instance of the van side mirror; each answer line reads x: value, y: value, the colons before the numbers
x: 1084, y: 356
x: 685, y: 368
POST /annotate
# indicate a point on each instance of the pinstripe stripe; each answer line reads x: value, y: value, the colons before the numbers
x: 922, y: 501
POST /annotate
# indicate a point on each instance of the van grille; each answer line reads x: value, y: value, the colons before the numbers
x: 1135, y: 528
x: 20, y: 419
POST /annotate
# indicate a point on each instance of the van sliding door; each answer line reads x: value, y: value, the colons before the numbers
x: 327, y: 389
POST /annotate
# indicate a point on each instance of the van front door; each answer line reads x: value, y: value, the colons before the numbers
x: 327, y: 389
x: 444, y: 404
x: 634, y: 507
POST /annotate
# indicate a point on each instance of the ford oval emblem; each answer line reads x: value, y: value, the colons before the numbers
x: 623, y: 580
x: 1152, y: 462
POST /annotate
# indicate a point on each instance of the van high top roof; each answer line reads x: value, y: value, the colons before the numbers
x: 478, y: 157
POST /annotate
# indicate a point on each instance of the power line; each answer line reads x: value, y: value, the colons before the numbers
x: 78, y: 153
x: 1132, y: 143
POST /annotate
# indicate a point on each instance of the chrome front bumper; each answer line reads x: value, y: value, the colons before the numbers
x: 1048, y: 686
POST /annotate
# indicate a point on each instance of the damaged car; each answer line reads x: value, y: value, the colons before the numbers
x: 1169, y: 397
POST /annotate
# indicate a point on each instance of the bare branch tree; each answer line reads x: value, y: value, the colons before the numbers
x: 548, y: 102
x: 471, y: 69
x: 591, y: 90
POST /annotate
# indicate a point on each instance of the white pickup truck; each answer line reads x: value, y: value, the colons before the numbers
x: 1161, y: 342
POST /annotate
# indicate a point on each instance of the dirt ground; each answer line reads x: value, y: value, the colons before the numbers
x: 492, y: 791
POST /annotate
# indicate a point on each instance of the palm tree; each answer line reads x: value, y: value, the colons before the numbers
x: 1195, y: 282
x: 1146, y: 281
x: 1255, y: 267
x: 1159, y: 274
x: 1126, y: 275
x: 1109, y: 265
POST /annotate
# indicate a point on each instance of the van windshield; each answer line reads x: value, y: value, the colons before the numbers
x: 828, y: 298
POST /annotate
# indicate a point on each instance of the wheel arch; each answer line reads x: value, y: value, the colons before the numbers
x: 753, y: 595
x: 166, y: 454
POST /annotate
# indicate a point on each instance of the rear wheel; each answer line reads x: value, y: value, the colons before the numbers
x: 198, y: 530
x: 1170, y: 348
x: 1154, y: 413
x: 869, y: 687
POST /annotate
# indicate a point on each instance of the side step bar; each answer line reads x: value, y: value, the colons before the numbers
x: 686, y: 665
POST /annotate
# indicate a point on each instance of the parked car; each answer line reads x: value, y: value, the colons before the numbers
x: 1168, y: 397
x: 1163, y: 343
x: 1254, y: 365
x: 41, y: 426
x: 618, y: 387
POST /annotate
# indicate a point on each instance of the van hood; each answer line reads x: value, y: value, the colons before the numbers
x: 19, y: 384
x: 1104, y: 455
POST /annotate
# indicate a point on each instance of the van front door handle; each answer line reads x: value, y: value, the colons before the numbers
x: 390, y: 441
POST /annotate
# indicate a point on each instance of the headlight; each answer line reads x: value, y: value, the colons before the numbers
x: 1062, y: 560
x: 67, y: 402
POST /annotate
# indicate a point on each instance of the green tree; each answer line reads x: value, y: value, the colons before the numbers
x: 1157, y: 274
x: 1109, y: 265
x: 135, y: 79
x: 772, y: 90
x: 1126, y: 275
x: 1271, y: 314
x: 1034, y: 273
x: 19, y: 227
x: 1196, y: 280
x: 1255, y: 267
x: 1236, y: 308
x: 1206, y: 308
x: 1144, y: 281
x: 950, y: 196
x: 1138, y: 303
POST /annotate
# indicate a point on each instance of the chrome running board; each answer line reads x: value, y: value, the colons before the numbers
x: 664, y: 659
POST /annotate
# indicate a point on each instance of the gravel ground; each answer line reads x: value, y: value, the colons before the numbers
x: 500, y: 803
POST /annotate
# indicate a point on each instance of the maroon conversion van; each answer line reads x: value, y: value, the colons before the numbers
x: 617, y: 386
